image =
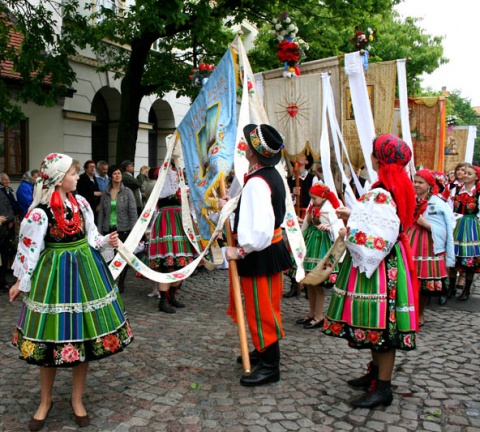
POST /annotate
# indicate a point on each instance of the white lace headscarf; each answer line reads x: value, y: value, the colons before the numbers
x: 53, y: 169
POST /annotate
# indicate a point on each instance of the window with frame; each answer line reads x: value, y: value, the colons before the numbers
x: 13, y: 149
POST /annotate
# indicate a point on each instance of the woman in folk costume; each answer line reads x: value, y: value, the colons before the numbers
x: 374, y: 300
x: 169, y: 249
x: 431, y: 239
x: 72, y: 312
x: 451, y: 188
x: 466, y: 234
x: 320, y: 227
x: 305, y: 180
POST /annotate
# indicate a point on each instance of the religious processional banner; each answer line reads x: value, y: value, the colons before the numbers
x: 456, y: 146
x: 294, y: 108
x: 208, y: 137
x: 380, y: 80
x: 424, y: 123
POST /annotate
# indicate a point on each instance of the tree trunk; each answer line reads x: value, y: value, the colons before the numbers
x: 132, y: 95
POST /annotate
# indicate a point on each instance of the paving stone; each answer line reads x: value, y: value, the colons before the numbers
x: 180, y: 374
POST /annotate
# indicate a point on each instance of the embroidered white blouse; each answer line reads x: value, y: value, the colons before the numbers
x: 31, y: 241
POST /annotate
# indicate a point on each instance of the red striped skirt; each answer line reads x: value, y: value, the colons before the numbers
x: 431, y: 268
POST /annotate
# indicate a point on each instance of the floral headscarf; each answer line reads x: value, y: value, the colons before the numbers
x: 52, y: 170
x: 390, y: 149
x: 393, y: 155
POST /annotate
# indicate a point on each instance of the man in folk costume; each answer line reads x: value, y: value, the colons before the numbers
x: 261, y: 252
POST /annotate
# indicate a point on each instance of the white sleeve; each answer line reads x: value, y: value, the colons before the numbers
x: 94, y: 238
x: 329, y: 217
x: 256, y: 221
x: 31, y: 242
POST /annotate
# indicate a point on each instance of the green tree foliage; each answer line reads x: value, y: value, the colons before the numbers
x: 460, y: 110
x: 183, y: 34
x: 328, y: 29
x: 41, y: 60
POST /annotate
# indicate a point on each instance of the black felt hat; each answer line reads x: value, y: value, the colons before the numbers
x: 265, y: 141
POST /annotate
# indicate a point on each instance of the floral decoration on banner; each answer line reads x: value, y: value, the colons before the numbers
x: 200, y: 76
x: 361, y: 41
x: 289, y: 51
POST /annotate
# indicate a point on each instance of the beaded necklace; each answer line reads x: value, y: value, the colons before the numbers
x: 69, y: 227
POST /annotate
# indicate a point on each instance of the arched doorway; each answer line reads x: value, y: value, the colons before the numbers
x: 106, y: 108
x: 163, y: 124
x: 100, y: 128
x: 153, y: 140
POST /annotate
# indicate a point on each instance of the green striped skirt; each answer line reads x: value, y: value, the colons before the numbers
x: 73, y: 312
x: 377, y: 313
x: 317, y: 244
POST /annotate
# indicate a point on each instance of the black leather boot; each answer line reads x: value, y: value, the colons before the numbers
x: 452, y: 287
x: 267, y: 371
x: 163, y: 305
x: 172, y: 291
x: 293, y: 289
x: 254, y: 358
x: 465, y: 295
x: 365, y: 380
x: 442, y: 300
x: 381, y: 395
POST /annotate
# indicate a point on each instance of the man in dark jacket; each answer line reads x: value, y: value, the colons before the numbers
x: 87, y: 186
x: 128, y: 168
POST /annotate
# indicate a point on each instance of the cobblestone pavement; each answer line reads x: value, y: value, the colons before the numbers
x: 180, y: 373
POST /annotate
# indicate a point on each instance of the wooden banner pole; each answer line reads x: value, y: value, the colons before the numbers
x: 235, y: 281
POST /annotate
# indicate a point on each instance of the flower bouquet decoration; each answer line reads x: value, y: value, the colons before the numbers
x: 361, y: 41
x: 200, y: 76
x: 288, y: 51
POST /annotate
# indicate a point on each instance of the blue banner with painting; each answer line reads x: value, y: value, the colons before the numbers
x: 208, y: 137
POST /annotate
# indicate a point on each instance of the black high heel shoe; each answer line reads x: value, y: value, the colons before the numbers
x: 35, y: 424
x: 304, y: 320
x: 81, y: 421
x: 313, y: 324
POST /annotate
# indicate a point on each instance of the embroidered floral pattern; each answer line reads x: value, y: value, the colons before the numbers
x: 369, y: 241
x: 378, y: 197
x: 465, y: 203
x: 70, y: 354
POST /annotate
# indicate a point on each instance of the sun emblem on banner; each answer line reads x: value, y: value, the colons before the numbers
x: 290, y: 112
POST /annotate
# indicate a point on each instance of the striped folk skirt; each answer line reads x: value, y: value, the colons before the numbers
x: 431, y: 269
x: 378, y: 313
x: 466, y: 238
x: 317, y: 244
x: 169, y: 245
x: 73, y: 312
